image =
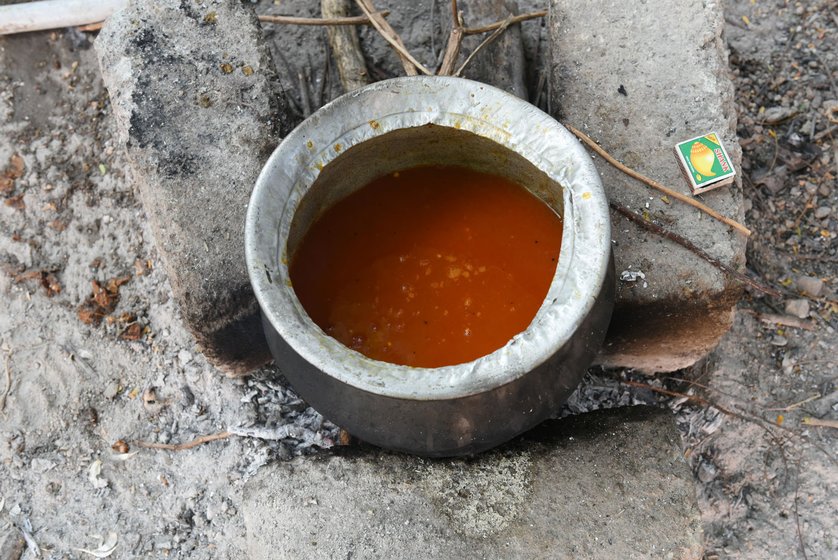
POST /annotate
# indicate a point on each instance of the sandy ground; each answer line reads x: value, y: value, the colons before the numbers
x: 73, y: 389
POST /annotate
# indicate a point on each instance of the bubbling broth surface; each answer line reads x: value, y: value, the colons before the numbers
x: 430, y: 266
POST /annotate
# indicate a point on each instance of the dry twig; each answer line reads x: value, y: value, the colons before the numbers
x: 784, y: 320
x: 687, y: 244
x: 325, y: 20
x: 389, y: 34
x: 181, y: 446
x: 8, y: 388
x: 791, y: 407
x: 483, y: 44
x: 654, y: 184
x: 511, y: 21
x: 820, y: 422
x: 344, y: 40
x: 455, y: 41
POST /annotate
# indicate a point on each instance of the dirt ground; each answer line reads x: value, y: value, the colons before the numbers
x: 84, y: 366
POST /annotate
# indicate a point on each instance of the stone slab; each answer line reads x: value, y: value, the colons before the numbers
x: 198, y: 136
x: 606, y: 485
x: 193, y: 93
x: 639, y: 78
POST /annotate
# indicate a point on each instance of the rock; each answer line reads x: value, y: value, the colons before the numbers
x: 192, y: 88
x: 773, y: 115
x: 822, y: 212
x: 608, y: 484
x: 678, y: 87
x: 780, y: 341
x: 707, y: 472
x: 184, y: 357
x: 12, y: 543
x: 810, y: 285
x: 798, y: 308
x: 773, y: 183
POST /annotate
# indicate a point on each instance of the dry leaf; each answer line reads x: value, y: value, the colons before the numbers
x: 123, y: 456
x: 16, y: 202
x: 13, y: 171
x: 50, y: 284
x: 15, y: 168
x: 105, y: 549
x: 89, y: 316
x: 132, y: 333
x: 115, y: 283
x: 93, y: 473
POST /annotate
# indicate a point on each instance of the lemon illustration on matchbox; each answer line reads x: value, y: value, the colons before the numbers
x: 705, y: 162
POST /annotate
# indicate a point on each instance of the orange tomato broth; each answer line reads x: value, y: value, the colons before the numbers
x: 428, y: 266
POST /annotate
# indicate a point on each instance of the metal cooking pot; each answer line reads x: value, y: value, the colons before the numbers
x: 402, y: 123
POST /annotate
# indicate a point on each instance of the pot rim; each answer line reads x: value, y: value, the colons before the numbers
x: 409, y: 102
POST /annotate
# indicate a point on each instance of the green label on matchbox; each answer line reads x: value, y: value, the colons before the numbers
x: 705, y: 160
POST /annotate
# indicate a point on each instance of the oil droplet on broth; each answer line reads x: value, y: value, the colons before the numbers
x: 428, y: 266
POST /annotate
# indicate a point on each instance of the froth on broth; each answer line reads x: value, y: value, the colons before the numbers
x: 428, y: 266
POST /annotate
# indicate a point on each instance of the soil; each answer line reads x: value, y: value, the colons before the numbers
x: 87, y: 371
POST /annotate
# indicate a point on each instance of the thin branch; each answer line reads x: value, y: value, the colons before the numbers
x: 693, y: 398
x: 8, y: 388
x: 345, y: 47
x: 389, y: 34
x: 493, y: 26
x: 820, y: 422
x: 687, y: 244
x: 181, y: 446
x: 798, y: 404
x: 455, y: 41
x: 783, y: 320
x: 485, y: 43
x: 353, y: 20
x: 797, y: 514
x: 654, y: 184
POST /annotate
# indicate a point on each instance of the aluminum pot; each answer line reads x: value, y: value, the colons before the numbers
x: 402, y: 123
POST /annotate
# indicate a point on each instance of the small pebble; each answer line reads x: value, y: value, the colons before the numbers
x: 810, y: 285
x: 773, y: 115
x: 823, y: 212
x: 111, y: 390
x: 798, y: 308
x: 184, y: 357
x: 779, y: 341
x: 707, y: 472
x: 151, y: 402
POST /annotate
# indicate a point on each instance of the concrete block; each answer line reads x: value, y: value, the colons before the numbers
x: 192, y: 88
x: 638, y: 78
x: 608, y: 484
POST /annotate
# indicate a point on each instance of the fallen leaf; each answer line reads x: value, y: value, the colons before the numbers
x: 132, y: 333
x: 50, y: 284
x: 16, y: 202
x: 14, y: 170
x: 123, y: 456
x: 105, y: 549
x: 93, y: 473
x: 101, y: 297
x: 115, y: 283
x: 89, y: 316
x: 58, y: 225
